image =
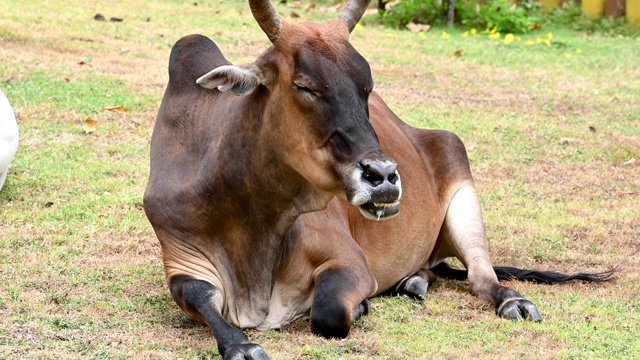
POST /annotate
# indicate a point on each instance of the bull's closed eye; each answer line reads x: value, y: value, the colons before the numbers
x: 304, y: 89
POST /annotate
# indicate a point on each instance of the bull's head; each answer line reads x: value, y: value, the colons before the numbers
x: 318, y: 88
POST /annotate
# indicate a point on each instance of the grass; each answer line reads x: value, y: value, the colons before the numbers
x: 551, y: 140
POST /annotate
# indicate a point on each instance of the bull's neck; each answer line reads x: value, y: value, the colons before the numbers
x: 256, y: 199
x: 264, y: 189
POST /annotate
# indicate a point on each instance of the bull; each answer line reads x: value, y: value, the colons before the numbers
x: 267, y: 181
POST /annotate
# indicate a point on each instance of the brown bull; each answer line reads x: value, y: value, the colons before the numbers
x: 239, y: 153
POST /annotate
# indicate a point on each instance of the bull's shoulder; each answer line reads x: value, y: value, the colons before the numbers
x: 443, y: 152
x: 191, y: 57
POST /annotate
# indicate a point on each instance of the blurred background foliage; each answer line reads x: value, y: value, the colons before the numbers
x: 508, y: 16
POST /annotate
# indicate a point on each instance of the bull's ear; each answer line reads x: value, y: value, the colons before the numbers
x: 240, y: 80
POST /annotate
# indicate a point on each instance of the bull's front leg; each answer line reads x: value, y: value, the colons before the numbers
x: 340, y: 298
x: 203, y: 301
x: 464, y: 231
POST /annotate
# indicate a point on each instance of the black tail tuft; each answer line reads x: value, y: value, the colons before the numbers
x: 510, y: 273
x: 549, y: 277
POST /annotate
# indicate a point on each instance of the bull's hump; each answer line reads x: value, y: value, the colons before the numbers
x: 191, y: 57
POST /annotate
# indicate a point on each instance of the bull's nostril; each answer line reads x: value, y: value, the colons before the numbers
x: 372, y: 177
x: 377, y: 173
x: 393, y: 178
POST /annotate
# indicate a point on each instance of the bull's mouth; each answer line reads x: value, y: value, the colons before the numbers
x: 379, y: 211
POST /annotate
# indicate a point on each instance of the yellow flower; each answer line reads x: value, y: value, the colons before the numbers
x: 550, y: 36
x: 359, y: 27
x: 422, y: 35
x: 487, y: 31
x: 518, y: 38
x: 494, y: 36
x: 465, y: 34
x: 445, y: 35
x: 578, y: 51
x: 538, y: 41
x: 567, y: 55
x: 547, y: 42
x: 508, y: 39
x: 529, y: 42
x: 474, y: 32
x: 494, y: 30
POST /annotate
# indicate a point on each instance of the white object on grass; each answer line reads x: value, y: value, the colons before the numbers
x: 8, y: 136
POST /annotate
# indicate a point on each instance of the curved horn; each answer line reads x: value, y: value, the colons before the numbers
x: 267, y: 17
x: 352, y: 11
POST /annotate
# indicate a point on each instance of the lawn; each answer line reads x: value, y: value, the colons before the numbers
x: 551, y: 121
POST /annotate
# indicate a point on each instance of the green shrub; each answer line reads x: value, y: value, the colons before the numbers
x: 414, y: 11
x: 504, y: 15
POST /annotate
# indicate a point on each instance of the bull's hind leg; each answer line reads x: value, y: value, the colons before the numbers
x: 463, y: 231
x: 202, y: 301
x: 415, y: 286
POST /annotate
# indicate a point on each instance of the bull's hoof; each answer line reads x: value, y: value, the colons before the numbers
x: 245, y: 352
x: 361, y: 310
x: 518, y: 309
x: 415, y: 287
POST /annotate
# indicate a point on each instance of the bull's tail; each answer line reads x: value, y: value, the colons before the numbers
x: 510, y: 273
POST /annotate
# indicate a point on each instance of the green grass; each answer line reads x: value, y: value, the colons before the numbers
x: 84, y: 97
x: 551, y: 140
